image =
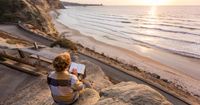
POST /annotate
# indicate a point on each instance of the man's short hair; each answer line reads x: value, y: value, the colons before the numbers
x: 62, y: 61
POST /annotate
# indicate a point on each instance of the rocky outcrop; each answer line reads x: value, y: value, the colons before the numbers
x: 34, y: 12
x: 125, y: 93
x: 96, y: 76
x: 130, y: 93
x: 88, y: 97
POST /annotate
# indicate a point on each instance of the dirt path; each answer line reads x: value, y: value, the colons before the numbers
x: 13, y: 29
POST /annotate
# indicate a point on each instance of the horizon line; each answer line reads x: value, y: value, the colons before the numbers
x: 151, y: 5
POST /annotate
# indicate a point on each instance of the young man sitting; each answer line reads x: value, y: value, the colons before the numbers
x: 65, y: 87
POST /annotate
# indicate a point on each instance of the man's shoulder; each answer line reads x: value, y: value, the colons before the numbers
x: 50, y: 74
x: 59, y: 75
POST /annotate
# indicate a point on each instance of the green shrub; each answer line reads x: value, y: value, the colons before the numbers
x: 7, y: 17
x: 2, y: 58
x: 9, y: 10
x: 65, y: 43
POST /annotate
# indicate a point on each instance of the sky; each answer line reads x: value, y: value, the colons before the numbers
x: 139, y: 2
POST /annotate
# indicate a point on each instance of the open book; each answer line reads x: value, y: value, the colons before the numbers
x: 80, y: 68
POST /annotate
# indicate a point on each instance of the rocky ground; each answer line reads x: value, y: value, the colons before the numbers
x: 130, y: 93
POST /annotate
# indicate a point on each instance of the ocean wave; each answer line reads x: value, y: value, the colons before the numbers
x: 108, y: 17
x: 170, y: 25
x: 164, y: 30
x: 102, y: 27
x: 167, y: 22
x: 170, y: 19
x: 78, y: 18
x: 161, y: 37
x: 107, y: 37
x: 111, y: 32
x: 99, y: 19
x: 126, y: 22
x: 96, y: 29
x: 182, y: 53
x: 179, y: 52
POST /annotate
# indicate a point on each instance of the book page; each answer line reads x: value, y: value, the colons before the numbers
x: 80, y: 67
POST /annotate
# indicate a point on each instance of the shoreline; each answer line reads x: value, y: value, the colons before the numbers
x: 188, y: 84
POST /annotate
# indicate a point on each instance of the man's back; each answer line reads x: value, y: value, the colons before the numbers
x: 62, y: 87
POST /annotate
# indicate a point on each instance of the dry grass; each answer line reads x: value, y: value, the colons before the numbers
x: 2, y: 58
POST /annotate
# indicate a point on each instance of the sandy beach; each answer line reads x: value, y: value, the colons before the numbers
x: 183, y: 79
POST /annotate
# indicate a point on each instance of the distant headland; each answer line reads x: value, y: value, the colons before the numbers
x: 79, y: 4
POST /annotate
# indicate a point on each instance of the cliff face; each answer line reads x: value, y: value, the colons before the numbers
x: 34, y: 12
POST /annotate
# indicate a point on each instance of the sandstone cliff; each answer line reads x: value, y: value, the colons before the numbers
x: 34, y: 12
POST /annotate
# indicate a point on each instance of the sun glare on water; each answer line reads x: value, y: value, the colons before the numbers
x: 155, y: 2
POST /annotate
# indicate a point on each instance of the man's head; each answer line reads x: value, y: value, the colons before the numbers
x: 62, y: 61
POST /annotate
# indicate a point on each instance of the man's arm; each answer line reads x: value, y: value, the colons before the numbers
x: 76, y: 84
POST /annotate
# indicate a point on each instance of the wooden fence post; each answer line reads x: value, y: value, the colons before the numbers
x: 38, y: 57
x: 21, y: 53
x: 35, y: 46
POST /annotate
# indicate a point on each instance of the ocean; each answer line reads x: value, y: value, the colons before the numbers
x: 175, y: 29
